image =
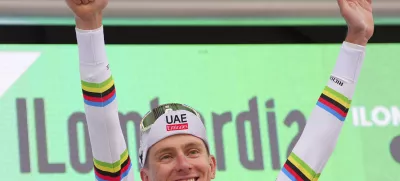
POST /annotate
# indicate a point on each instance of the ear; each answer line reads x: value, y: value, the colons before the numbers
x: 144, y: 174
x: 213, y: 166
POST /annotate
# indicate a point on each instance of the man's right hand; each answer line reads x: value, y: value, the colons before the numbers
x: 88, y: 13
x: 359, y: 18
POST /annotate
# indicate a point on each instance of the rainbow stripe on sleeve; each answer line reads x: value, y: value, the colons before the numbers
x: 99, y: 94
x: 113, y: 171
x: 297, y: 170
x: 334, y: 103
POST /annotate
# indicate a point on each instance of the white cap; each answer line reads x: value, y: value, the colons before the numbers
x: 170, y: 119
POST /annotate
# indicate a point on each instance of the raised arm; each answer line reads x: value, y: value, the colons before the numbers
x: 318, y: 141
x: 110, y: 155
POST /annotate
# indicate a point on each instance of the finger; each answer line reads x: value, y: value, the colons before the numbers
x: 369, y: 1
x: 85, y: 1
x: 91, y: 0
x: 78, y: 2
x: 342, y: 3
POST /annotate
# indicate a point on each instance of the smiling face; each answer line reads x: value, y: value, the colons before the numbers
x: 179, y: 158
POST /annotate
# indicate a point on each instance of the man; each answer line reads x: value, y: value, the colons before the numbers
x: 173, y: 143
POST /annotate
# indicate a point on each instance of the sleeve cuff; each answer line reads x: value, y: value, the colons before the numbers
x: 354, y: 46
x: 349, y: 62
x: 100, y: 29
x: 91, y: 46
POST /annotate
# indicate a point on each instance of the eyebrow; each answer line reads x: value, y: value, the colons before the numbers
x: 166, y: 149
x: 192, y: 144
x: 187, y: 145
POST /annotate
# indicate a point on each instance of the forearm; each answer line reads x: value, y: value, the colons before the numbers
x: 321, y: 133
x: 111, y: 159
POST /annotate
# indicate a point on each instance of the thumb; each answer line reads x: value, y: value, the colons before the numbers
x: 342, y: 4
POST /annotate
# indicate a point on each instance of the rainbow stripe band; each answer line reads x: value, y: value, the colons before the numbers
x: 334, y: 103
x: 113, y: 171
x: 297, y: 170
x: 99, y: 94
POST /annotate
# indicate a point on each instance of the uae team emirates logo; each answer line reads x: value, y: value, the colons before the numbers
x: 176, y: 122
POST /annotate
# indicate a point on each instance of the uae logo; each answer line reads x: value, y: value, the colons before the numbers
x: 176, y: 122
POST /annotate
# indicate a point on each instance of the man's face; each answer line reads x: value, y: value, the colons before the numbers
x: 179, y: 158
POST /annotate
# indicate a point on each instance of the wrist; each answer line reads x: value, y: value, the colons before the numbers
x: 89, y: 23
x: 357, y: 38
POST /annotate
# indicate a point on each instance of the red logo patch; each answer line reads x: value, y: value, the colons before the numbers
x: 175, y: 127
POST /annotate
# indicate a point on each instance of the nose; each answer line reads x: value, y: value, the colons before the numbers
x: 182, y: 164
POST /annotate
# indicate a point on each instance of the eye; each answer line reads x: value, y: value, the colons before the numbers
x: 165, y: 157
x: 193, y: 152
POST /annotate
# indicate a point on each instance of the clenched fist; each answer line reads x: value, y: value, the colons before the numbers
x: 88, y: 13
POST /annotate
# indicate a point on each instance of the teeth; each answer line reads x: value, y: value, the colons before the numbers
x: 192, y: 179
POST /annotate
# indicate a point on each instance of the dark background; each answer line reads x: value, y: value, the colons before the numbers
x: 46, y: 34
